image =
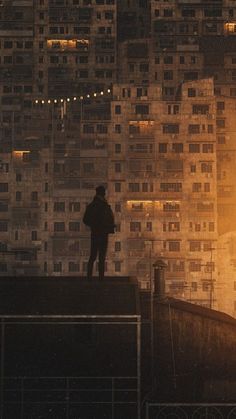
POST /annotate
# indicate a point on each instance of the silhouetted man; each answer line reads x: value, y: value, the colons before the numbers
x: 99, y: 217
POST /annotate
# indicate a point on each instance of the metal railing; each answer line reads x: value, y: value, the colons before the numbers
x: 80, y: 395
x: 190, y: 410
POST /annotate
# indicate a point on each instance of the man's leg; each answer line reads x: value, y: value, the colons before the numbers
x: 103, y: 243
x: 92, y: 257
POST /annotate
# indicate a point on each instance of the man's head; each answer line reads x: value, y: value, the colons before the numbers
x: 100, y: 190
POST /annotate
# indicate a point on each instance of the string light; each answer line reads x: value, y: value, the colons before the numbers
x: 74, y: 98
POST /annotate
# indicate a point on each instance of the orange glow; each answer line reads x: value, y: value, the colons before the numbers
x: 230, y: 27
x: 68, y: 44
x: 20, y: 153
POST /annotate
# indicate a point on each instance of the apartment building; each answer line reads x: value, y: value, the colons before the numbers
x: 138, y: 96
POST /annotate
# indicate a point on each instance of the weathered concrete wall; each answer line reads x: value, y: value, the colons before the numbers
x: 193, y: 346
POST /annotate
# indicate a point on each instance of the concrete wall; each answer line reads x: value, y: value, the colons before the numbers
x: 194, y: 348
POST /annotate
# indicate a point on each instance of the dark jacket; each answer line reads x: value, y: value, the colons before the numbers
x: 99, y: 216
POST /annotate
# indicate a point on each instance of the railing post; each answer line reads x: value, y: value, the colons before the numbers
x: 2, y: 367
x: 112, y: 398
x: 67, y: 397
x: 22, y: 398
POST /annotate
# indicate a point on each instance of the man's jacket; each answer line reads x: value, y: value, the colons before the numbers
x: 99, y: 216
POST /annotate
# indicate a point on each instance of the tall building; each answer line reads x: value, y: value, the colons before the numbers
x: 138, y: 96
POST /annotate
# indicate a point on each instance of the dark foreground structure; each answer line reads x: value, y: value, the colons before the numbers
x: 73, y: 349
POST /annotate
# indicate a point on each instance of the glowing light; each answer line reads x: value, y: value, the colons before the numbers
x: 68, y: 99
x: 74, y: 98
x: 88, y: 96
x: 19, y: 153
x: 81, y: 97
x: 62, y: 100
x: 36, y: 101
x: 101, y: 93
x: 95, y: 94
x: 49, y: 101
x: 55, y: 100
x: 43, y: 102
x: 109, y: 91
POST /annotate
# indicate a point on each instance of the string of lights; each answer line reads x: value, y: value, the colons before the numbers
x: 72, y: 99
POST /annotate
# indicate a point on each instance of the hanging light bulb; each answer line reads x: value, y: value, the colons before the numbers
x: 55, y: 100
x: 49, y: 101
x: 88, y: 96
x: 62, y: 100
x: 109, y: 91
x: 81, y: 97
x: 102, y: 93
x: 43, y: 102
x: 68, y: 99
x: 36, y: 101
x: 74, y: 98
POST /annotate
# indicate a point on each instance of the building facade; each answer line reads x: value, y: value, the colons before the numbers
x: 148, y: 112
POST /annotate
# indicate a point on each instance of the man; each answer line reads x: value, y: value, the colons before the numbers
x: 99, y: 217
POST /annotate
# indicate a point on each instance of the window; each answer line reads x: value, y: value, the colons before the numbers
x: 117, y: 246
x: 200, y: 109
x: 59, y: 226
x: 168, y: 59
x: 57, y: 267
x: 206, y: 167
x: 117, y: 187
x: 59, y: 206
x: 34, y: 196
x: 174, y: 226
x: 34, y: 235
x: 174, y: 246
x: 162, y: 147
x: 148, y: 226
x: 188, y: 12
x: 194, y: 129
x: 118, y: 129
x: 194, y: 148
x: 134, y: 187
x: 220, y: 106
x: 195, y: 266
x: 117, y: 266
x: 169, y: 206
x: 117, y: 109
x: 194, y: 286
x: 207, y: 148
x: 117, y: 167
x: 220, y: 123
x: 195, y: 246
x: 73, y: 267
x: 211, y: 226
x: 196, y: 187
x: 3, y: 187
x: 177, y: 147
x: 207, y: 187
x: 142, y: 109
x: 3, y: 225
x: 18, y: 196
x: 117, y: 148
x: 74, y: 206
x: 135, y: 226
x: 168, y: 75
x: 170, y: 128
x: 117, y: 207
x: 74, y: 226
x: 191, y: 92
x: 171, y: 187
